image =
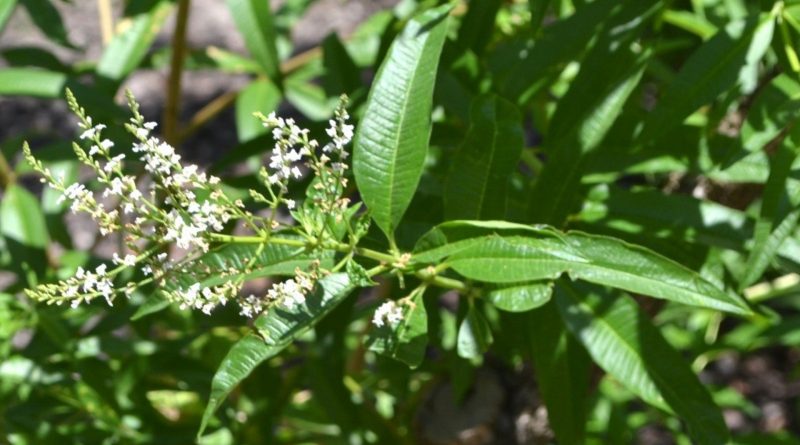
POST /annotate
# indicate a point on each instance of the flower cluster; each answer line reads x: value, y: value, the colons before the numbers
x: 389, y: 312
x: 289, y: 293
x: 172, y: 217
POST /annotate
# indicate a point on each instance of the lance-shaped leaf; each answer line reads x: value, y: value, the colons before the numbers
x: 277, y: 329
x: 23, y: 229
x: 255, y: 22
x: 406, y: 341
x: 608, y: 76
x: 392, y: 139
x: 623, y: 341
x: 21, y: 218
x: 32, y: 82
x: 562, y: 373
x: 711, y: 70
x: 560, y: 43
x: 593, y: 258
x: 779, y: 213
x: 261, y: 95
x: 450, y: 237
x: 478, y: 181
x: 775, y: 107
x: 47, y: 18
x: 127, y: 49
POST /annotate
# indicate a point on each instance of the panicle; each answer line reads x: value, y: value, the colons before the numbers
x: 178, y: 205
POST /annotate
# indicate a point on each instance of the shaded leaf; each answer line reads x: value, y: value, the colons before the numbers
x: 775, y: 222
x: 47, y: 18
x: 621, y: 339
x: 277, y: 328
x: 341, y: 75
x: 562, y: 373
x: 478, y: 181
x: 711, y: 70
x: 775, y: 107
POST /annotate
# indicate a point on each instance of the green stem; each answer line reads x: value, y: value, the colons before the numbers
x: 428, y: 275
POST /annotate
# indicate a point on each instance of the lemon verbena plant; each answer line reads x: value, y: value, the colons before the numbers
x: 327, y: 217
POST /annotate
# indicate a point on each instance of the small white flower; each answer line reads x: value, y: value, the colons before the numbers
x: 90, y: 132
x: 128, y: 260
x: 388, y: 312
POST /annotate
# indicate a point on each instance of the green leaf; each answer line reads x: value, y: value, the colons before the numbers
x: 711, y: 70
x: 474, y: 335
x: 562, y: 373
x: 241, y: 360
x: 255, y: 23
x: 608, y: 76
x: 693, y: 23
x: 278, y: 328
x: 406, y: 341
x: 392, y: 138
x: 538, y: 10
x: 47, y: 18
x: 24, y: 230
x: 450, y: 237
x: 33, y: 57
x: 560, y: 43
x: 521, y: 297
x: 31, y: 82
x: 260, y: 95
x: 6, y: 8
x: 21, y: 218
x: 623, y: 341
x: 598, y: 259
x: 775, y: 222
x: 481, y: 170
x: 127, y: 49
x: 477, y: 26
x: 341, y: 74
x: 679, y: 217
x: 774, y: 108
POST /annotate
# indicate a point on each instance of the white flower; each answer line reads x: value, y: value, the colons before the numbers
x: 90, y: 132
x: 113, y: 163
x: 128, y: 260
x: 388, y: 312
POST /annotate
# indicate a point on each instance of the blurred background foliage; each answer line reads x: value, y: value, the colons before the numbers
x: 699, y: 164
